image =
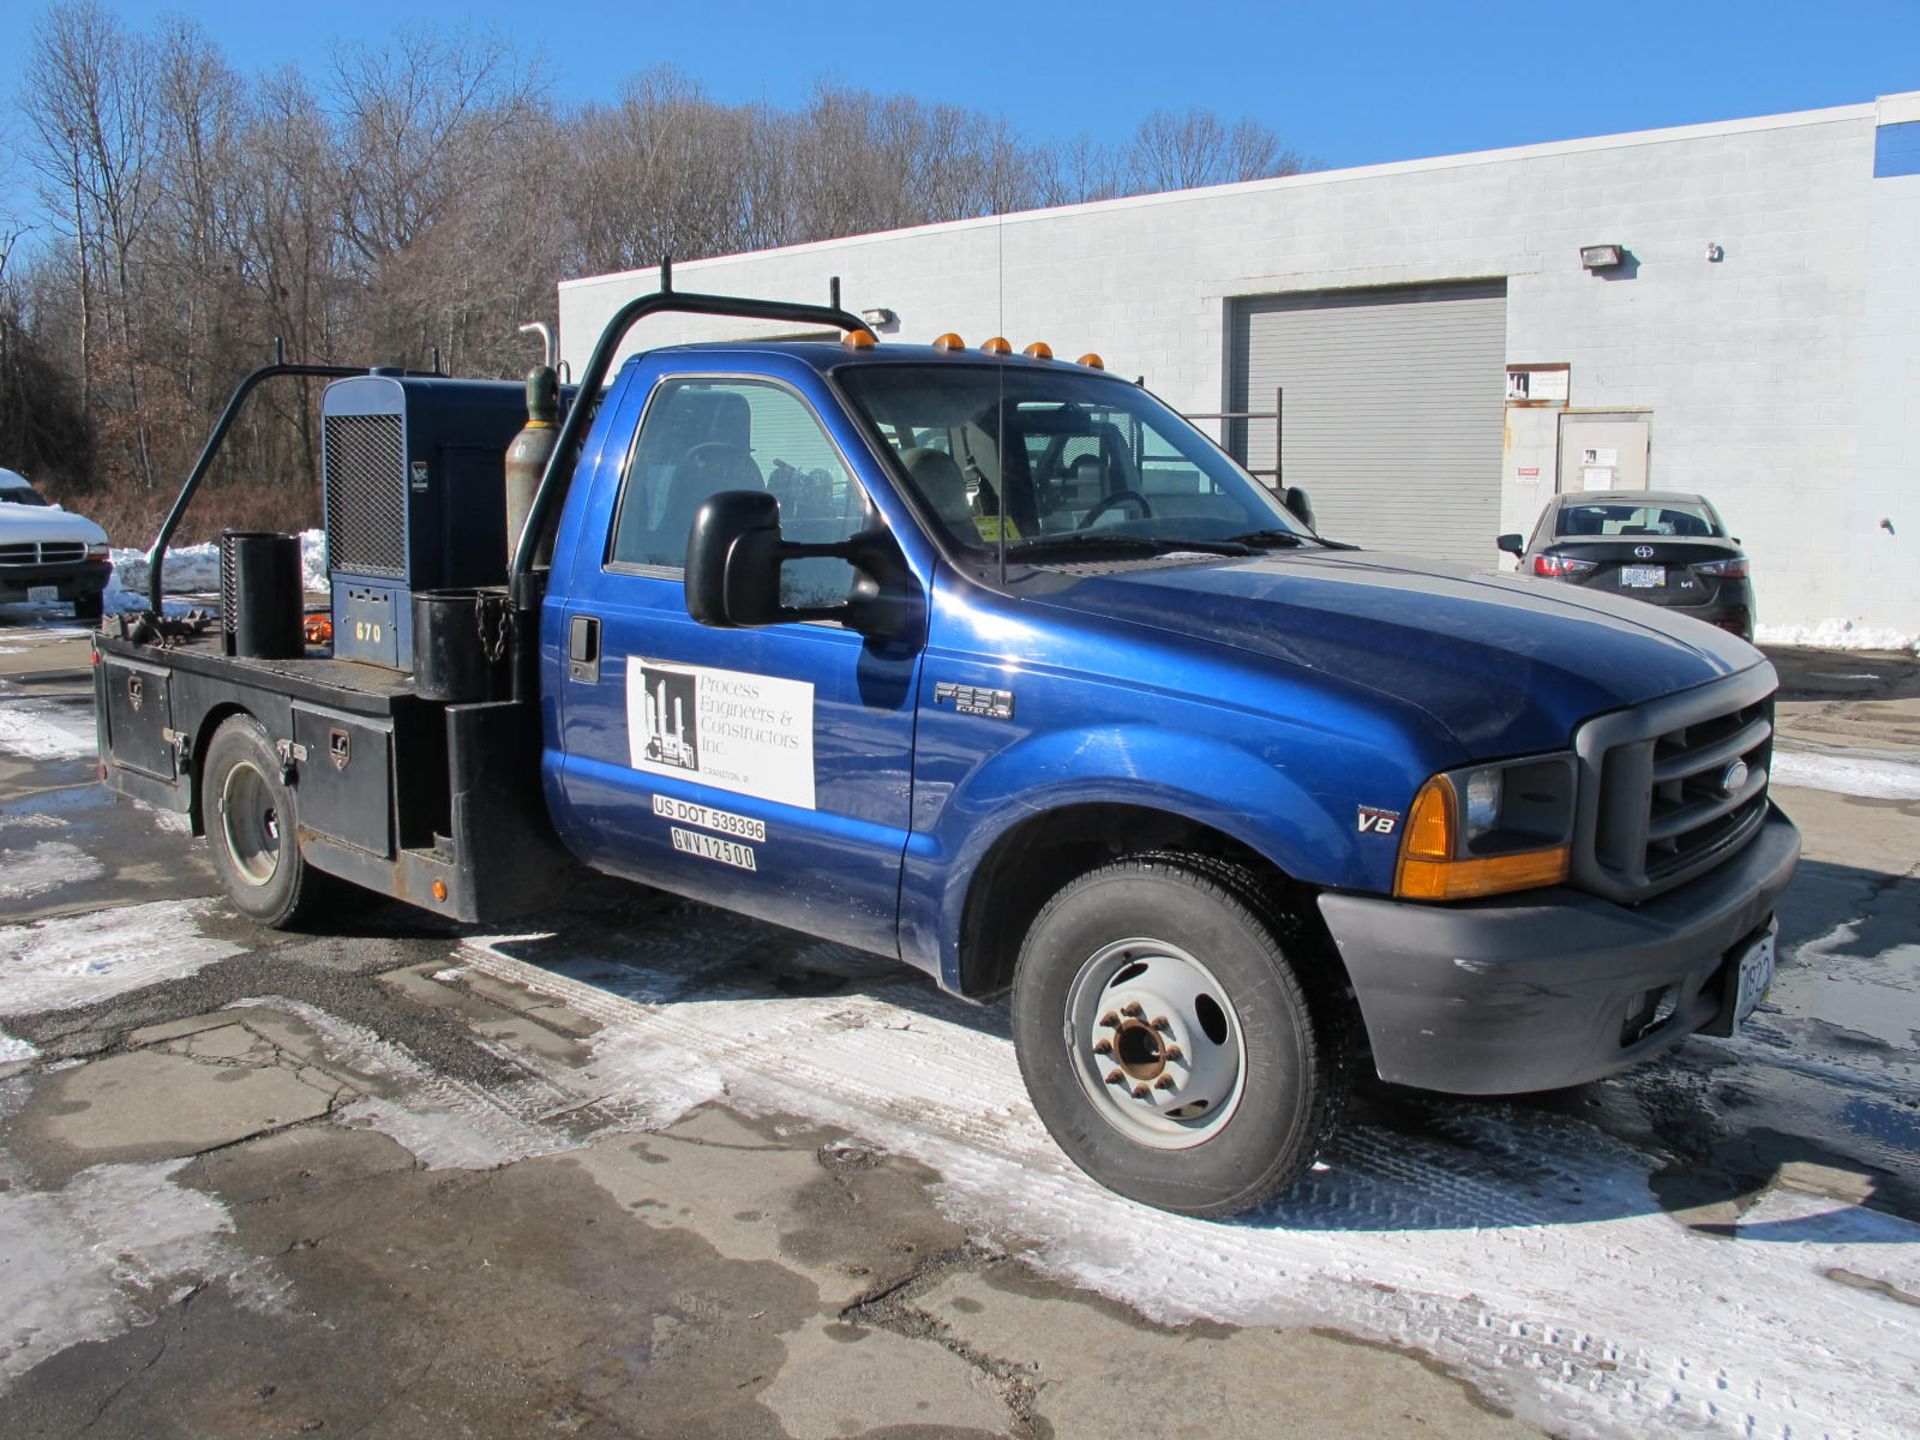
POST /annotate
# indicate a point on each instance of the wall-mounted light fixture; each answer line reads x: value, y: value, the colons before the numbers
x: 1714, y: 253
x: 879, y: 316
x: 1602, y: 257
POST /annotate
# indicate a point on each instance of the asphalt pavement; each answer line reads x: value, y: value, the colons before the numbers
x: 641, y: 1168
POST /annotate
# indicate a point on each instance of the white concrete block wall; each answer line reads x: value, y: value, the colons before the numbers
x: 1780, y: 380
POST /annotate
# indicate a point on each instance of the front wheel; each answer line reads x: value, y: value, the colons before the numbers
x: 1167, y: 1041
x: 252, y: 827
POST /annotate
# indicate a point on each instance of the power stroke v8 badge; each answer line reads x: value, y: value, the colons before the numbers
x: 1378, y: 822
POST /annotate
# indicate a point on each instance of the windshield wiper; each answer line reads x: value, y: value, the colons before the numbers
x: 1140, y: 544
x: 1266, y: 537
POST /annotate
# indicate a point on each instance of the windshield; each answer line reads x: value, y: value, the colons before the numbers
x: 1087, y: 460
x: 20, y: 495
x: 1601, y: 520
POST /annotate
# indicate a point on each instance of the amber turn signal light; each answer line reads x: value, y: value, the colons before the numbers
x: 1428, y: 869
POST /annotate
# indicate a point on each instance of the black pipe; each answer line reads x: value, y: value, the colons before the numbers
x: 156, y: 556
x: 553, y: 481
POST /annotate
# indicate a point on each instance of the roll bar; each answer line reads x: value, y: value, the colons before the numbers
x: 157, y: 553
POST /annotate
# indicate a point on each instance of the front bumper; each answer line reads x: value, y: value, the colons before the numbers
x: 75, y: 579
x: 1507, y: 995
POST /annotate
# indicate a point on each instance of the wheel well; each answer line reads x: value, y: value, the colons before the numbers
x: 203, y: 737
x: 1034, y: 859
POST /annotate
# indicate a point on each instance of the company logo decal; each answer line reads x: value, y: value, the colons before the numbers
x: 1643, y: 552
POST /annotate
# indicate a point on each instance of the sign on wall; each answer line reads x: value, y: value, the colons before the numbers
x: 1535, y: 386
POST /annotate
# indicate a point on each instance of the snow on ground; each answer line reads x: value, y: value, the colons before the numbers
x: 1877, y: 779
x: 1837, y: 635
x: 1523, y: 1249
x: 46, y: 865
x: 36, y: 730
x: 105, y: 1254
x: 75, y: 960
x: 13, y: 1049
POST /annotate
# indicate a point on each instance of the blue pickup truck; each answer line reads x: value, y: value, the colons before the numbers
x: 992, y: 663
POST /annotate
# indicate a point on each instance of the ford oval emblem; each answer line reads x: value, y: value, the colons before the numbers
x: 1732, y: 778
x: 1643, y: 552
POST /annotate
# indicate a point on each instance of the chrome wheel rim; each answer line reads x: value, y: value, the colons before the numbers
x: 250, y: 824
x: 1156, y: 1044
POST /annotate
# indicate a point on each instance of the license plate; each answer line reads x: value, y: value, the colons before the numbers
x: 1643, y: 577
x: 1756, y: 974
x: 43, y: 594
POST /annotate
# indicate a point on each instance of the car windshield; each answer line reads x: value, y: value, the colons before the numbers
x: 21, y: 495
x: 1603, y: 519
x: 1090, y: 462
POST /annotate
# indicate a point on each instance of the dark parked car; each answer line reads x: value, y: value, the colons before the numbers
x: 1655, y: 545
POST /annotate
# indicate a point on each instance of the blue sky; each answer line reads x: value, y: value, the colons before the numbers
x: 1347, y: 83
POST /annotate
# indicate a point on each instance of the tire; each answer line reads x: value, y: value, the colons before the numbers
x: 1216, y: 1093
x: 90, y: 607
x: 252, y: 822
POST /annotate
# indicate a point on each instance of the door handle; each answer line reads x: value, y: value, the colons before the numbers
x: 583, y: 649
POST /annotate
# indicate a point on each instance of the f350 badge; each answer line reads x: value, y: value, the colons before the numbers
x: 1378, y: 822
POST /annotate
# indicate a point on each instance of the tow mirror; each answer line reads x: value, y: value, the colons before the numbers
x: 1297, y: 502
x: 1512, y: 544
x: 734, y: 554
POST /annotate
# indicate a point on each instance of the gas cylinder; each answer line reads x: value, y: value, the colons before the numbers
x: 528, y: 454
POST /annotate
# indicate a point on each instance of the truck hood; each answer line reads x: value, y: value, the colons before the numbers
x: 1506, y: 665
x: 27, y: 524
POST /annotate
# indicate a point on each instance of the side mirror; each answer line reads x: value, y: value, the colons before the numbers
x: 1296, y: 501
x: 734, y: 554
x: 1512, y: 544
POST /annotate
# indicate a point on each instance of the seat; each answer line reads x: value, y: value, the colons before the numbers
x: 940, y: 483
x: 708, y: 446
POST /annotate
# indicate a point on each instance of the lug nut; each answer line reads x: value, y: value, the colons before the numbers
x: 1165, y: 1082
x: 1110, y: 1021
x: 1140, y: 1092
x: 1171, y: 1053
x: 1103, y: 1047
x: 1114, y: 1077
x: 1133, y: 1010
x: 1161, y: 1023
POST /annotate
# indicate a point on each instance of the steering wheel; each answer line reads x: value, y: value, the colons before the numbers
x: 1117, y: 498
x: 717, y: 456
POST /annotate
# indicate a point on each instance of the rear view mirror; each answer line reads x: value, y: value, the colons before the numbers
x: 1301, y: 507
x: 1512, y: 544
x: 734, y: 554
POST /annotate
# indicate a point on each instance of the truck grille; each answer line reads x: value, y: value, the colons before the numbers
x: 1673, y: 788
x: 366, y: 495
x: 48, y: 552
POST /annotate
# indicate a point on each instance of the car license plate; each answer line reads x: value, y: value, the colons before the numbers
x: 43, y: 594
x: 1756, y: 974
x: 1643, y: 577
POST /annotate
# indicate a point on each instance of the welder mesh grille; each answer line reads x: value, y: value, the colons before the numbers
x: 366, y: 495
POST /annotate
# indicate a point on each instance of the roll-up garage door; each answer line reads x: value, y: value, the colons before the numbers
x: 1393, y: 404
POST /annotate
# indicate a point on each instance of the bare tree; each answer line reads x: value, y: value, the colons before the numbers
x: 1180, y: 152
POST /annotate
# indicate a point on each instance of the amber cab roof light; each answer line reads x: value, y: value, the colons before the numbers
x: 1092, y: 361
x: 950, y: 341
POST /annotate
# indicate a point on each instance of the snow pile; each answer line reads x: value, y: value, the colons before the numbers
x: 1837, y: 635
x: 195, y: 570
x: 1847, y: 774
x: 37, y: 731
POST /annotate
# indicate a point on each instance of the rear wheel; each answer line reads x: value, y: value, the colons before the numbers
x: 253, y: 827
x: 1167, y: 1041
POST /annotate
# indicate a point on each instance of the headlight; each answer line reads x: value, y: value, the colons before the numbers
x: 1488, y: 829
x: 98, y: 552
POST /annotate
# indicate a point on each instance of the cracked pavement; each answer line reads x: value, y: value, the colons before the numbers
x: 402, y: 1181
